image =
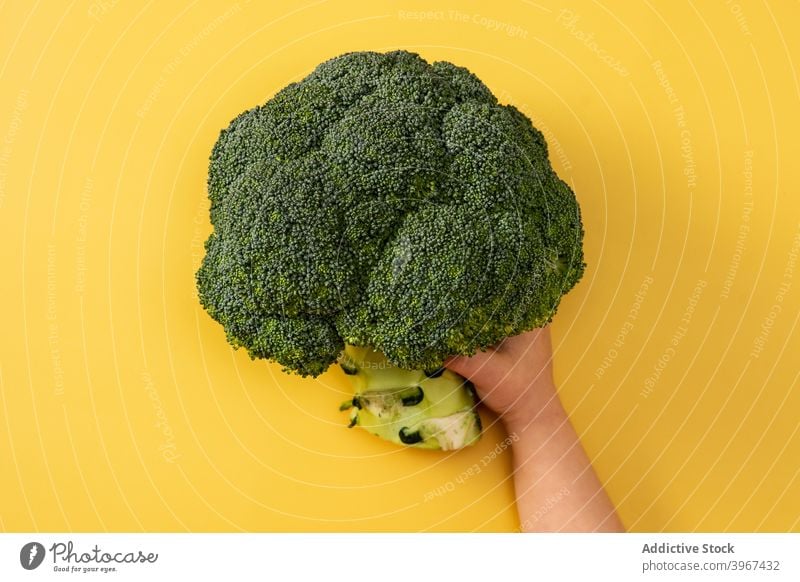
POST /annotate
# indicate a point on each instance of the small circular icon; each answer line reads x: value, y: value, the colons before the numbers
x: 31, y: 555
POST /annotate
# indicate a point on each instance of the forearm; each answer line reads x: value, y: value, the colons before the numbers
x: 557, y: 489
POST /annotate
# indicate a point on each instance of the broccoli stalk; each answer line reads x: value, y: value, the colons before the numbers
x: 427, y: 409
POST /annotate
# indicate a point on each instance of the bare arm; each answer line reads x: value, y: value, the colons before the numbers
x: 557, y: 489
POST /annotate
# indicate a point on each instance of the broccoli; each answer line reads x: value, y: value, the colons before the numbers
x: 387, y: 213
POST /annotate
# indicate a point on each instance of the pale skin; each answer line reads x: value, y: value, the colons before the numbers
x: 556, y: 486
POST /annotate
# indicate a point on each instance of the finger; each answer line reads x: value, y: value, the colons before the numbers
x: 537, y: 339
x: 482, y: 368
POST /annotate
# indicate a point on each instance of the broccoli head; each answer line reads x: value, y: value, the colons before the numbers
x: 386, y: 203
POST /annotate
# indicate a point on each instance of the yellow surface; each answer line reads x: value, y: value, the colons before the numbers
x: 121, y: 405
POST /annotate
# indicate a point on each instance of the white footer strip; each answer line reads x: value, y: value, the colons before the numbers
x: 406, y: 557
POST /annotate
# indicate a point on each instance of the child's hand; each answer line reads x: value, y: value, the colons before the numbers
x: 515, y: 378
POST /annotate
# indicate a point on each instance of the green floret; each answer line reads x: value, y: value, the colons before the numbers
x: 392, y: 204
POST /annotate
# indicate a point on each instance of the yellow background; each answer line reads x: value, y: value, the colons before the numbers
x: 121, y: 405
